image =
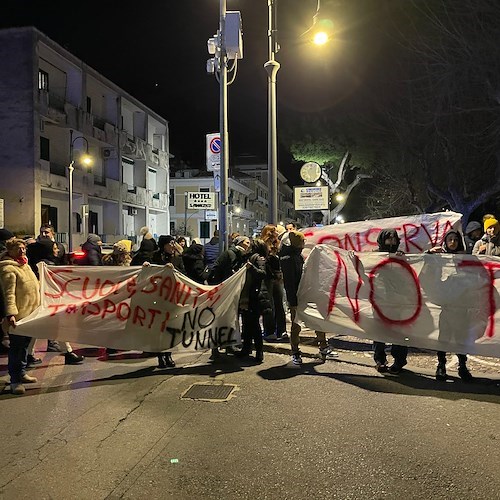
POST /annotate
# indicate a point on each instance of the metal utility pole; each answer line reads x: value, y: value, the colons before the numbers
x: 224, y: 133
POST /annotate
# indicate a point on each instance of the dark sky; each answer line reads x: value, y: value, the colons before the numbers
x: 156, y: 51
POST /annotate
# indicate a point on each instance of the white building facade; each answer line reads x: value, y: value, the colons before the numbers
x: 54, y: 104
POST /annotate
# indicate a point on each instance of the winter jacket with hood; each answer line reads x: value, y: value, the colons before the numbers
x: 382, y: 236
x: 194, y: 264
x: 291, y: 262
x: 20, y: 287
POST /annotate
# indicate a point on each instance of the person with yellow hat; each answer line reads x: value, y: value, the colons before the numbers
x: 489, y: 244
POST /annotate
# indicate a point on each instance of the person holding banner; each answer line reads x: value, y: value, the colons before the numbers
x: 452, y: 243
x: 388, y: 241
x: 169, y: 254
x: 489, y: 244
x: 254, y: 301
x: 22, y: 296
x: 227, y: 263
x: 275, y: 319
x: 46, y: 250
x: 292, y: 263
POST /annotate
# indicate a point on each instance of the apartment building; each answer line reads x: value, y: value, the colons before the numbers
x: 247, y: 198
x: 201, y: 224
x: 55, y: 108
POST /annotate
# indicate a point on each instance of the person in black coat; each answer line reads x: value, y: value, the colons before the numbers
x: 145, y: 253
x: 254, y: 300
x: 194, y: 262
x: 230, y: 260
x: 169, y: 252
x: 388, y: 241
x: 167, y: 255
x: 93, y: 252
x: 47, y: 250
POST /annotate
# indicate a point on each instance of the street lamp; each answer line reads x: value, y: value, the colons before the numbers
x: 86, y: 159
x: 320, y: 37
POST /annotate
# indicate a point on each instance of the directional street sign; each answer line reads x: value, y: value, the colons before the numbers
x: 214, y: 146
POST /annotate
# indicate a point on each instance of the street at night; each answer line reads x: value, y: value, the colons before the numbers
x: 119, y: 429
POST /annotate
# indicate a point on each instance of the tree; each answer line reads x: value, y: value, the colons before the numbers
x: 447, y: 120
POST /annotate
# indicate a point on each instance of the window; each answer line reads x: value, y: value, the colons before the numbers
x: 152, y: 179
x: 44, y: 149
x: 43, y: 80
x: 89, y: 105
x: 204, y: 229
x: 171, y: 198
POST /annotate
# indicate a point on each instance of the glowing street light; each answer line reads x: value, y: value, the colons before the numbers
x: 87, y: 160
x: 339, y: 197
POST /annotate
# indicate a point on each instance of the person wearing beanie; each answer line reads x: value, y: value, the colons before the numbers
x: 473, y: 233
x: 5, y: 235
x: 120, y: 256
x: 489, y: 244
x: 93, y: 252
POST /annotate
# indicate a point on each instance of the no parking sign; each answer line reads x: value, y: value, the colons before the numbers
x: 214, y: 147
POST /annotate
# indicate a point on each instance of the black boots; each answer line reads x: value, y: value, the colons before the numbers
x: 441, y: 372
x: 465, y: 374
x: 71, y: 358
x: 165, y: 360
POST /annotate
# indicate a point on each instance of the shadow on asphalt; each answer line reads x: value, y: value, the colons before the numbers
x: 407, y: 383
x: 226, y: 364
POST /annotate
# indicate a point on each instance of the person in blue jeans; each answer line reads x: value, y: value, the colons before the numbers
x: 21, y: 292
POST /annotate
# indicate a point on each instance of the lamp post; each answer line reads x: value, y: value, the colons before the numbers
x: 87, y: 160
x: 320, y: 37
x: 272, y: 66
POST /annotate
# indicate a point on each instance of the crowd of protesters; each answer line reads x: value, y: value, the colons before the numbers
x: 274, y: 266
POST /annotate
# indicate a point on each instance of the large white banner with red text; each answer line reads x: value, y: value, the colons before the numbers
x: 417, y: 232
x: 434, y: 301
x: 150, y: 308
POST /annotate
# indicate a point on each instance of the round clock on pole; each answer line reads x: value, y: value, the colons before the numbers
x: 310, y: 172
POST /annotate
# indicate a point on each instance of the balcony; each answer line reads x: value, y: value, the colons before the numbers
x: 58, y: 169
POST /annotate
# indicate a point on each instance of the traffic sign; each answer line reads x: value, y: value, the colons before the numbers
x: 214, y: 146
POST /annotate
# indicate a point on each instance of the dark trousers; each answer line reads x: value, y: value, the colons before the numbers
x: 275, y: 321
x: 462, y: 358
x: 18, y: 352
x: 398, y: 352
x: 251, y: 331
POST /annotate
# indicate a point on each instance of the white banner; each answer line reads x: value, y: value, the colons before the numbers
x: 149, y: 309
x: 434, y: 301
x: 417, y: 232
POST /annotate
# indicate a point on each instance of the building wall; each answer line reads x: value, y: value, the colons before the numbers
x: 17, y: 129
x: 29, y: 114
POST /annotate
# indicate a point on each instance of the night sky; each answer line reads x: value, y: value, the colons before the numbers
x: 156, y: 51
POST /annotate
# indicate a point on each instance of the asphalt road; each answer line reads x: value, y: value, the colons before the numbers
x: 119, y: 429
